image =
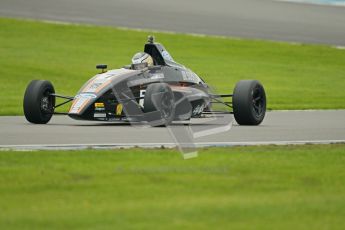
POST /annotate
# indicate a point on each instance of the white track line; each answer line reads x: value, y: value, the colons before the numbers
x: 158, y: 145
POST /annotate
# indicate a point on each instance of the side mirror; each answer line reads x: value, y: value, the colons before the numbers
x: 103, y: 67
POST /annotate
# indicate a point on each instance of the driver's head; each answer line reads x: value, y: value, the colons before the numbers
x: 141, y: 60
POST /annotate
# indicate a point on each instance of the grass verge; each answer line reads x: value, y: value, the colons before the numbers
x: 271, y: 187
x: 296, y: 76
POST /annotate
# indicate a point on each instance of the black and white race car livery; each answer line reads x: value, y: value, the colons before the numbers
x: 158, y: 95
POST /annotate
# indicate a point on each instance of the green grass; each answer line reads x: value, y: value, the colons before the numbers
x: 291, y: 187
x: 295, y: 76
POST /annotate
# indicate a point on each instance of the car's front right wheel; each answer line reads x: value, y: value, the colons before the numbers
x: 160, y: 98
x: 38, y: 102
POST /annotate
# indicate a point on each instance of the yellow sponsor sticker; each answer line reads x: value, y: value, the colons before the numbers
x: 99, y: 105
x: 119, y: 108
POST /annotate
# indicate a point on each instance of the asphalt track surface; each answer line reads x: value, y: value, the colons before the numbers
x: 279, y: 127
x: 262, y: 19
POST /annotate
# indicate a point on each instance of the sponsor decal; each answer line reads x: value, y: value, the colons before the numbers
x: 102, y: 80
x: 78, y: 104
x: 86, y: 95
x: 99, y: 105
x: 100, y: 115
x: 141, y: 81
x: 141, y: 100
x: 190, y: 76
x: 94, y: 87
x: 198, y: 109
x: 167, y: 56
x: 157, y: 76
x: 119, y: 108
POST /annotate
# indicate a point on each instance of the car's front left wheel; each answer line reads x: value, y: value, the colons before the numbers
x: 38, y: 102
x: 249, y: 102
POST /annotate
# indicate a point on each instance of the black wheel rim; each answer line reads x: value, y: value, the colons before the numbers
x: 47, y: 102
x: 166, y: 105
x: 258, y: 100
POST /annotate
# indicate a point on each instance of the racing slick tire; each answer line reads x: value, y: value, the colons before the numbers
x: 160, y: 97
x: 249, y: 102
x: 38, y: 105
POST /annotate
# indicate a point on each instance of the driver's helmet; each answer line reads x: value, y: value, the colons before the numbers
x: 141, y: 60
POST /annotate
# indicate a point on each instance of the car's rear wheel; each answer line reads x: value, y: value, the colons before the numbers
x: 159, y: 97
x: 249, y: 102
x: 38, y: 103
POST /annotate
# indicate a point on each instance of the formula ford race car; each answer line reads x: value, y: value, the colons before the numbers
x: 154, y: 90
